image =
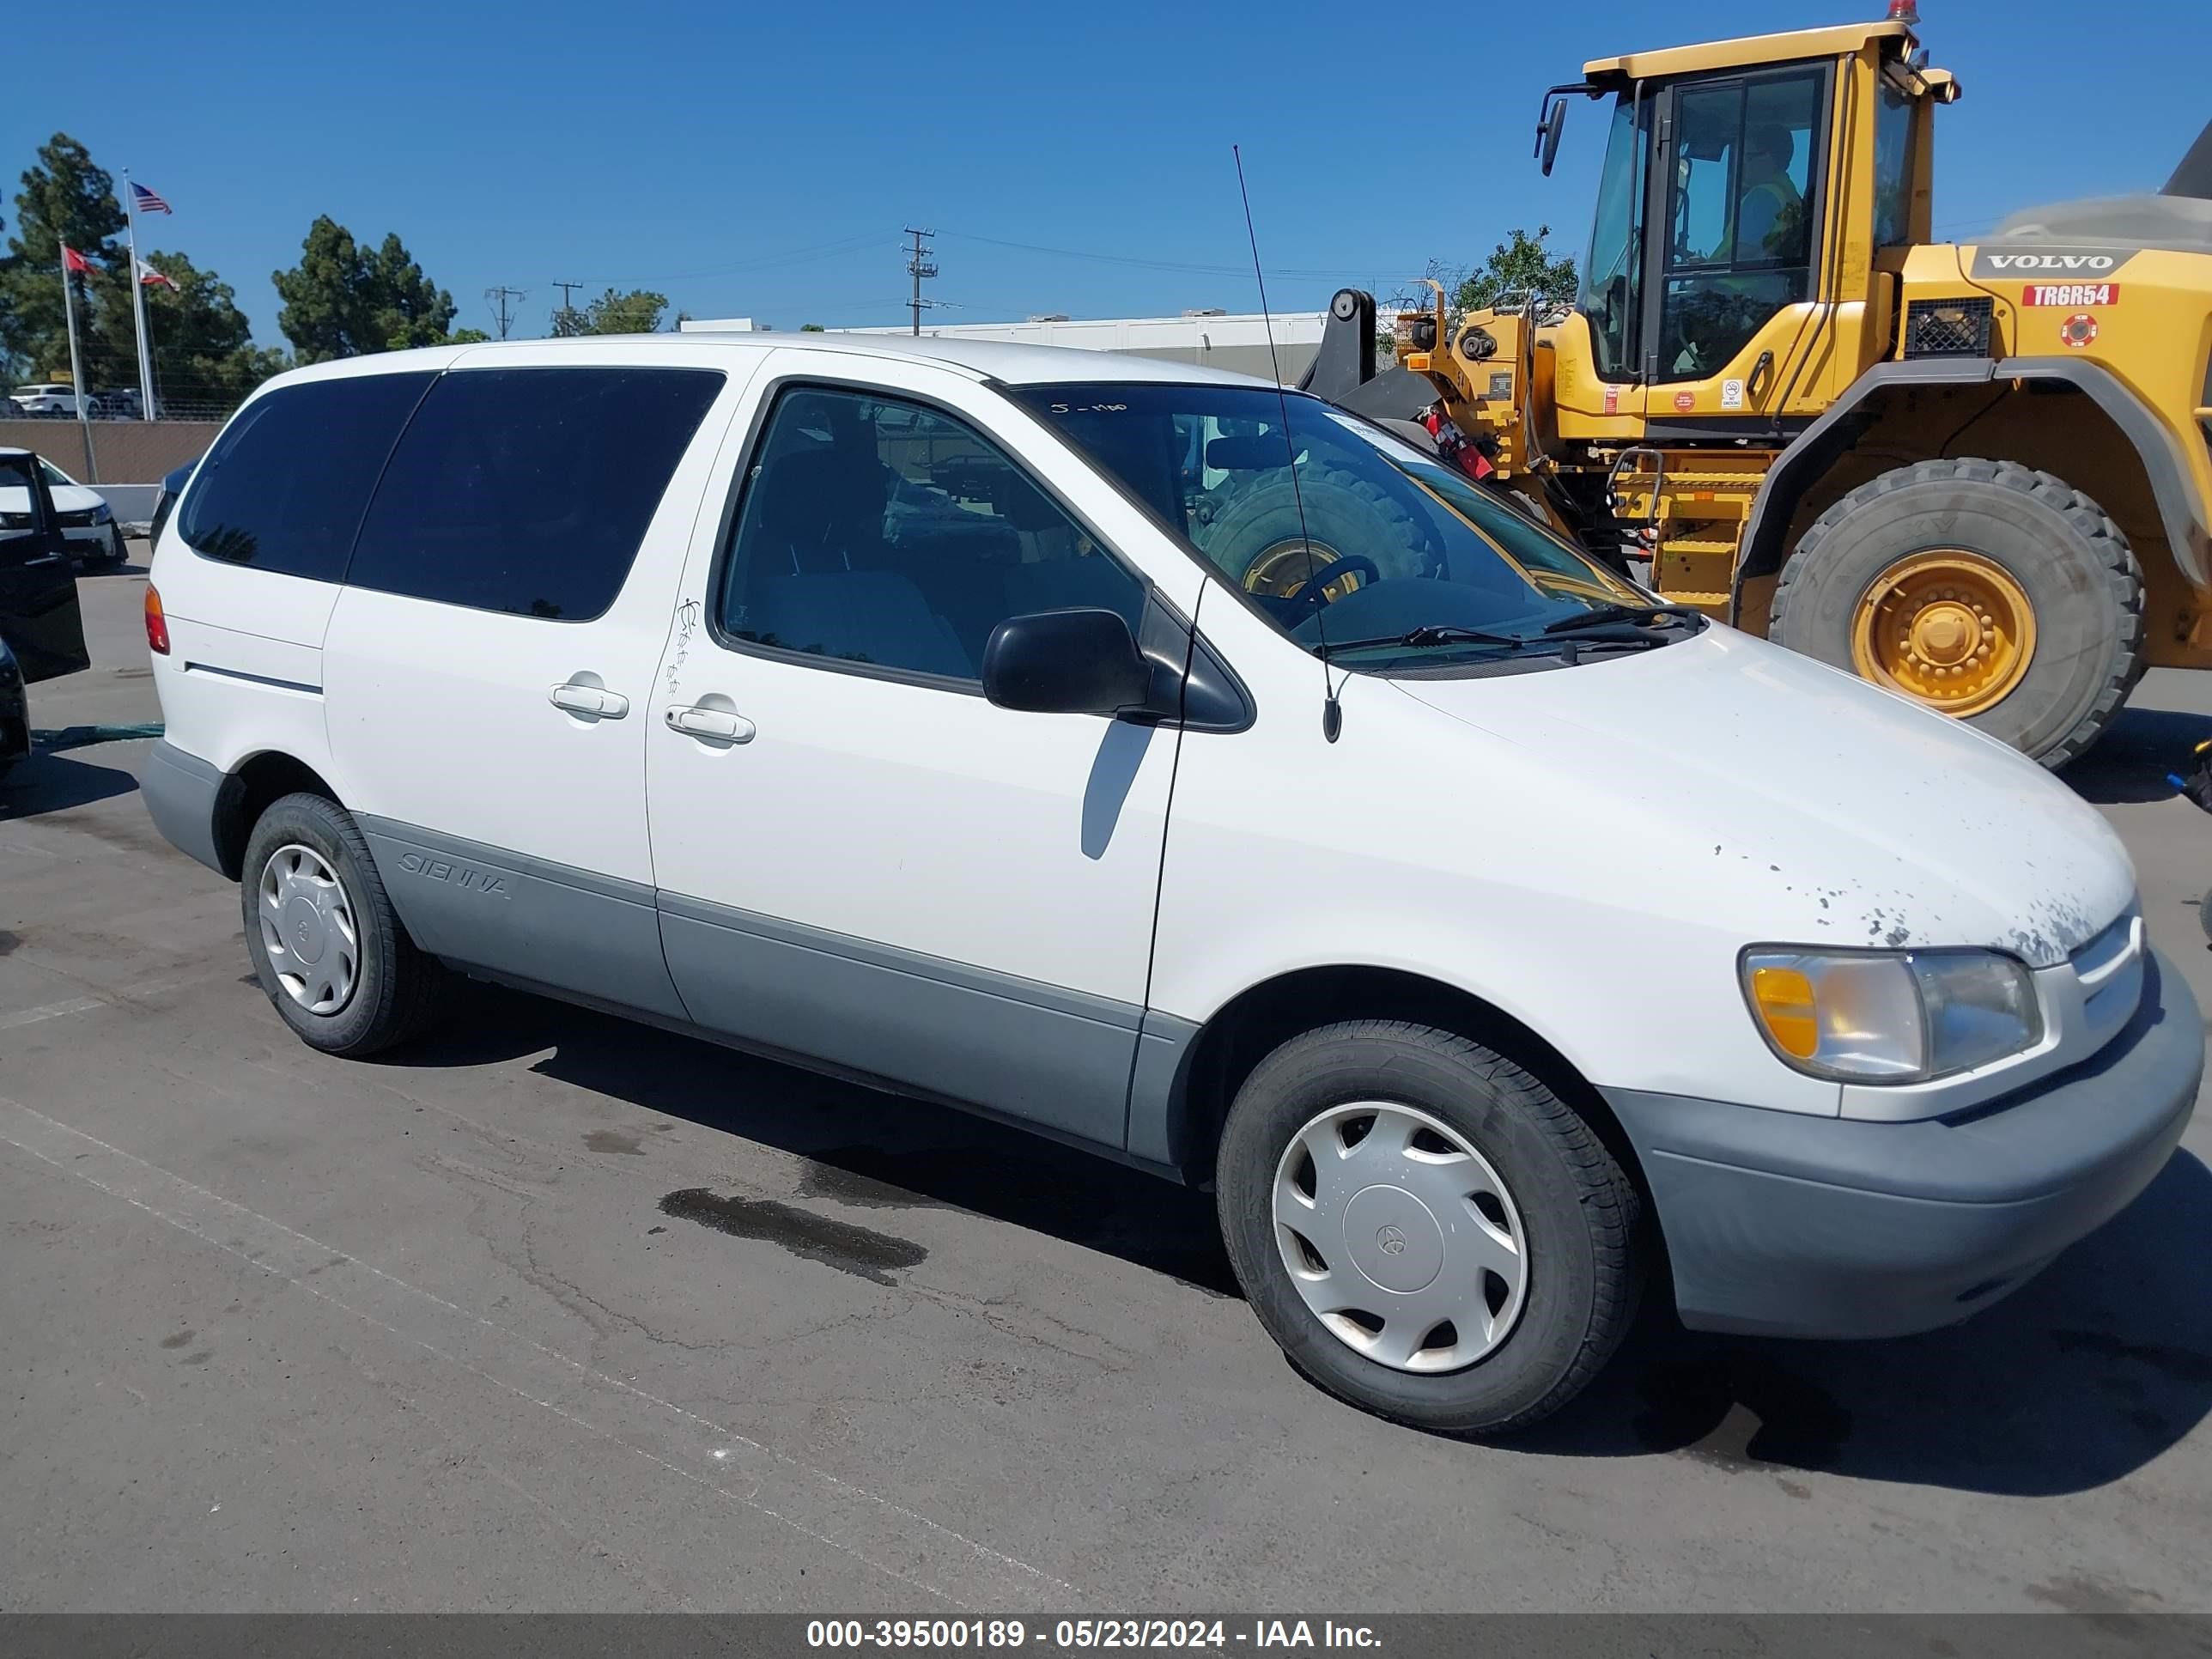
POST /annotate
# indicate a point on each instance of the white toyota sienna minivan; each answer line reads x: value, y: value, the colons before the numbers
x: 1182, y: 770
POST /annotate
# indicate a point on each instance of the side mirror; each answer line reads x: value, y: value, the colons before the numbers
x: 1065, y: 662
x: 1547, y: 134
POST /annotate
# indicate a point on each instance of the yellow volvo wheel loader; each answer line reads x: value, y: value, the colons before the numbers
x: 1980, y: 474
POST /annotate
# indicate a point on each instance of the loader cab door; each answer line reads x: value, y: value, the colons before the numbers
x: 1734, y: 210
x: 38, y: 614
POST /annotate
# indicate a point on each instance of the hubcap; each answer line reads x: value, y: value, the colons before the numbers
x: 307, y: 929
x: 1400, y: 1236
x: 1950, y: 629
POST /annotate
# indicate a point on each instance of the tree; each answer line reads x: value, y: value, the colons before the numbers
x: 638, y: 312
x: 812, y: 328
x: 65, y: 199
x: 204, y: 360
x: 344, y: 300
x: 467, y: 337
x: 1521, y: 266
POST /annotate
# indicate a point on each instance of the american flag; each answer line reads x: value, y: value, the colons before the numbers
x: 147, y: 201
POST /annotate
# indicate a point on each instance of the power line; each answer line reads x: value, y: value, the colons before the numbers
x: 919, y: 264
x: 567, y: 292
x: 757, y: 261
x: 1186, y: 266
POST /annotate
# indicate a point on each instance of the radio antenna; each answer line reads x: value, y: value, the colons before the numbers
x: 1332, y: 715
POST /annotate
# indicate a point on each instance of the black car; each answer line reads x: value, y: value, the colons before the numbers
x: 41, y: 629
x: 165, y: 501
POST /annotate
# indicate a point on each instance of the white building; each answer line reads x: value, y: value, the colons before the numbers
x: 1237, y: 341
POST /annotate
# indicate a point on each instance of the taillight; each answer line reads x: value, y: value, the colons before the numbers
x: 157, y: 625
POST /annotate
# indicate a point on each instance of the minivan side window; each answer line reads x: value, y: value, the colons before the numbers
x: 887, y: 534
x: 285, y: 486
x: 528, y: 490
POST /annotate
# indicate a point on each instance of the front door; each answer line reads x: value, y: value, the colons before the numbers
x: 860, y: 859
x: 1735, y: 207
x: 38, y: 614
x: 489, y: 668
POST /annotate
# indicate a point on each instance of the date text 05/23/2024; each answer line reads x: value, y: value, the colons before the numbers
x: 1073, y: 1635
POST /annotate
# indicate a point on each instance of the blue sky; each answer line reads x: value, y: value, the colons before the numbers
x: 762, y: 161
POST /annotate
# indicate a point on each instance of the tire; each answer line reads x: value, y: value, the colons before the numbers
x: 393, y: 986
x: 1573, y: 1211
x: 1344, y: 514
x: 2070, y: 559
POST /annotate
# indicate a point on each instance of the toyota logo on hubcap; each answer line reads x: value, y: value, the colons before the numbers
x: 1390, y: 1241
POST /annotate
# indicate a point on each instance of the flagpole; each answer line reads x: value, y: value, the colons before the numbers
x: 77, y: 375
x: 138, y: 301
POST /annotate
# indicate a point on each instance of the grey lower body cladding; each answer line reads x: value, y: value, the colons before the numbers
x: 179, y: 790
x: 1789, y: 1225
x: 1055, y: 1058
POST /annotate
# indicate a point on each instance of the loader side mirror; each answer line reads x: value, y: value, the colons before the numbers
x: 1547, y: 134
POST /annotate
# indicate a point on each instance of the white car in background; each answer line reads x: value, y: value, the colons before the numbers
x: 49, y: 397
x: 87, y: 523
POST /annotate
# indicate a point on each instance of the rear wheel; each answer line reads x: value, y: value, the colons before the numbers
x: 326, y: 946
x: 1429, y: 1232
x: 1981, y: 589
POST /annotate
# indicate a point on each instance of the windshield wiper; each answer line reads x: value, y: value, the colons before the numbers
x: 1612, y: 617
x: 1430, y: 634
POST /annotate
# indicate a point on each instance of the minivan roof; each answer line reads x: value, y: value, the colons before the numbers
x: 997, y: 359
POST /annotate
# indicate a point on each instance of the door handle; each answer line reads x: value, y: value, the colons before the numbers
x: 716, y: 725
x: 592, y: 702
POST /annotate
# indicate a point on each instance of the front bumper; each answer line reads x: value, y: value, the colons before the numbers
x: 15, y: 715
x: 94, y: 542
x: 1790, y: 1226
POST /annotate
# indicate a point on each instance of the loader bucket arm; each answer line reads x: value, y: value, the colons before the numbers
x: 1343, y: 371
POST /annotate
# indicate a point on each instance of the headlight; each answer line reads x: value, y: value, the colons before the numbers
x: 1891, y: 1016
x: 102, y: 514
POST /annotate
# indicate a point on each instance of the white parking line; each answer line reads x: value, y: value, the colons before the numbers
x: 52, y: 1011
x: 896, y: 1541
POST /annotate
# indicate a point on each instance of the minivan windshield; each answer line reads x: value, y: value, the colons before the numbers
x: 1354, y: 544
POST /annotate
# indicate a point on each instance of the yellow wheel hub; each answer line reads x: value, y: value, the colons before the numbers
x: 1281, y: 571
x: 1949, y: 627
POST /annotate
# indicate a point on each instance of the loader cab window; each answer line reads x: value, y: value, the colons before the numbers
x: 1892, y: 173
x: 1613, y: 276
x: 1740, y: 202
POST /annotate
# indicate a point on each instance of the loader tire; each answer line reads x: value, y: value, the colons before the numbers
x: 1343, y: 515
x: 1981, y: 589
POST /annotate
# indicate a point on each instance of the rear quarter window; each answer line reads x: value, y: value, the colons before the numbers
x: 528, y: 490
x: 286, y: 484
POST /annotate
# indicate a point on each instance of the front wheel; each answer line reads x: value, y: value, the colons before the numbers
x: 1980, y: 589
x: 1428, y: 1231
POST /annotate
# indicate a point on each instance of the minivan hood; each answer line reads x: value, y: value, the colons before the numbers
x: 1877, y: 823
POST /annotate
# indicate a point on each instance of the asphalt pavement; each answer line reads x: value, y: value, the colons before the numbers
x: 555, y: 1312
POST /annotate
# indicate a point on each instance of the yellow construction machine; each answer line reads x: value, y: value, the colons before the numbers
x: 1980, y: 474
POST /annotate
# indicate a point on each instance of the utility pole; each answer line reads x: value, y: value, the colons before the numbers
x: 919, y: 264
x: 567, y: 290
x: 496, y: 298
